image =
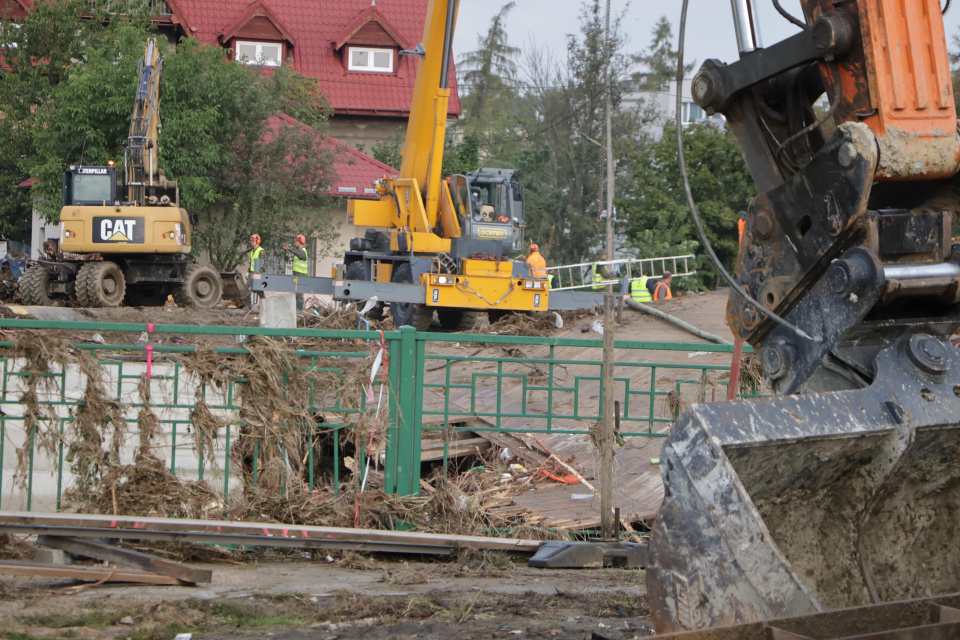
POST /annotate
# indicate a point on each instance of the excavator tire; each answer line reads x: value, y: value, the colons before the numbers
x: 406, y: 313
x: 201, y: 288
x: 147, y: 296
x: 100, y: 284
x: 457, y: 319
x: 35, y: 288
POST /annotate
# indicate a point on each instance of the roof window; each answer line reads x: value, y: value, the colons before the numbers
x: 268, y: 54
x: 369, y: 59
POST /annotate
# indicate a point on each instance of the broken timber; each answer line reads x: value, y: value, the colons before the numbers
x: 252, y: 533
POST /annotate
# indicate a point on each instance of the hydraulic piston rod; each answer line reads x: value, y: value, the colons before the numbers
x: 746, y: 25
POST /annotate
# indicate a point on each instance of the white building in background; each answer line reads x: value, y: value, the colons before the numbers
x: 663, y: 102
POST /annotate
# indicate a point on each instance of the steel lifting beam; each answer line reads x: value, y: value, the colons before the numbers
x: 567, y: 300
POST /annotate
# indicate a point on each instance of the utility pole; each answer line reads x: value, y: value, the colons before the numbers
x: 609, y: 146
x: 607, y: 422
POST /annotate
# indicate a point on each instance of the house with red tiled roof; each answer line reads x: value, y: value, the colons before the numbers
x: 355, y: 49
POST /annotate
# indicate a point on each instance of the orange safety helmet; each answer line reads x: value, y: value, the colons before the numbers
x: 301, y: 239
x: 534, y: 247
x: 255, y: 239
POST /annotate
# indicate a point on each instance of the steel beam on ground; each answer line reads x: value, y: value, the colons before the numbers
x: 90, y: 574
x: 108, y: 526
x: 127, y: 557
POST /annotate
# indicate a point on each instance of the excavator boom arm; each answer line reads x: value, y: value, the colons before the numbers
x: 843, y: 491
x: 142, y: 146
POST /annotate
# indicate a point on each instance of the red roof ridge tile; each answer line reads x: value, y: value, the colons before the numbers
x: 256, y: 10
x: 371, y: 14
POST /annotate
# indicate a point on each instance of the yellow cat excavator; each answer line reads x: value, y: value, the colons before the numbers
x: 124, y: 238
x: 842, y: 491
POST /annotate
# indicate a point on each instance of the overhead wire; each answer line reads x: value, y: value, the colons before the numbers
x: 693, y: 207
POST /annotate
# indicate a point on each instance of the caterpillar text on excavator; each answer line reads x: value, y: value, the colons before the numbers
x: 125, y: 240
x: 842, y: 491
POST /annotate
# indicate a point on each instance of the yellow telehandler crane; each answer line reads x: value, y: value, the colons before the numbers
x: 127, y: 239
x: 439, y: 243
x: 449, y: 235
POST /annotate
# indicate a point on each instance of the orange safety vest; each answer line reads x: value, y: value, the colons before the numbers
x: 659, y: 296
x: 741, y: 223
x: 537, y: 264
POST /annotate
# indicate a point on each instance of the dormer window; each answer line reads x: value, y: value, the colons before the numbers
x: 370, y: 59
x: 268, y: 54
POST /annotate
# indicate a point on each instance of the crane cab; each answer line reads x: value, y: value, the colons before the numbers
x: 489, y: 206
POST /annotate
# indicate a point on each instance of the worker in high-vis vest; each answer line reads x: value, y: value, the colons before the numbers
x: 598, y: 274
x: 741, y: 225
x: 639, y: 291
x: 662, y: 292
x: 299, y: 262
x: 256, y: 253
x: 538, y: 264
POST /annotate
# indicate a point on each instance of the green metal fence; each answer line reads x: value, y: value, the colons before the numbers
x: 434, y: 384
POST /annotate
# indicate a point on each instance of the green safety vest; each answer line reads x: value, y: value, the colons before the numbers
x: 255, y: 255
x: 639, y: 291
x: 300, y: 265
x: 595, y: 278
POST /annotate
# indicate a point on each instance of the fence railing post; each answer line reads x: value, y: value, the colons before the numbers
x: 407, y: 431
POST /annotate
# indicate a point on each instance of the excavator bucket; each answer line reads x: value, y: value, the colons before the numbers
x: 792, y: 505
x: 234, y: 288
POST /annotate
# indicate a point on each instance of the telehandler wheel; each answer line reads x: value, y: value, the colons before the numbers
x: 201, y: 288
x: 406, y: 313
x: 457, y: 319
x: 100, y: 284
x: 35, y: 288
x: 495, y: 315
x: 354, y: 271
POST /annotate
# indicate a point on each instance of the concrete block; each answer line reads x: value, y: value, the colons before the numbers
x: 51, y: 556
x: 278, y: 311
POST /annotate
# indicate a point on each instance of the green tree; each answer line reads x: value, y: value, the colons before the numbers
x: 488, y: 75
x: 655, y: 208
x: 558, y: 133
x: 659, y: 60
x: 237, y: 162
x: 40, y: 53
x: 459, y: 156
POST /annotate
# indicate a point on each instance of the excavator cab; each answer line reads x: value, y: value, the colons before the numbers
x: 90, y: 186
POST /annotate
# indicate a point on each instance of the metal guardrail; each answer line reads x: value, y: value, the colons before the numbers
x: 434, y: 382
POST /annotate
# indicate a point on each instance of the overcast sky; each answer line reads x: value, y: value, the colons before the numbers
x: 709, y: 25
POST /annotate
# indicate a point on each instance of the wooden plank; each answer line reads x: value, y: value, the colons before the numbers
x: 91, y: 574
x: 455, y: 449
x: 24, y: 520
x: 127, y: 557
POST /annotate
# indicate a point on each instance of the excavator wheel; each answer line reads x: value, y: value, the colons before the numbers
x: 457, y: 319
x: 35, y: 288
x: 100, y: 284
x: 407, y: 313
x: 201, y: 288
x: 147, y: 296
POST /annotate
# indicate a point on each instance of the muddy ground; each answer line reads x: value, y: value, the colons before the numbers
x: 492, y: 597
